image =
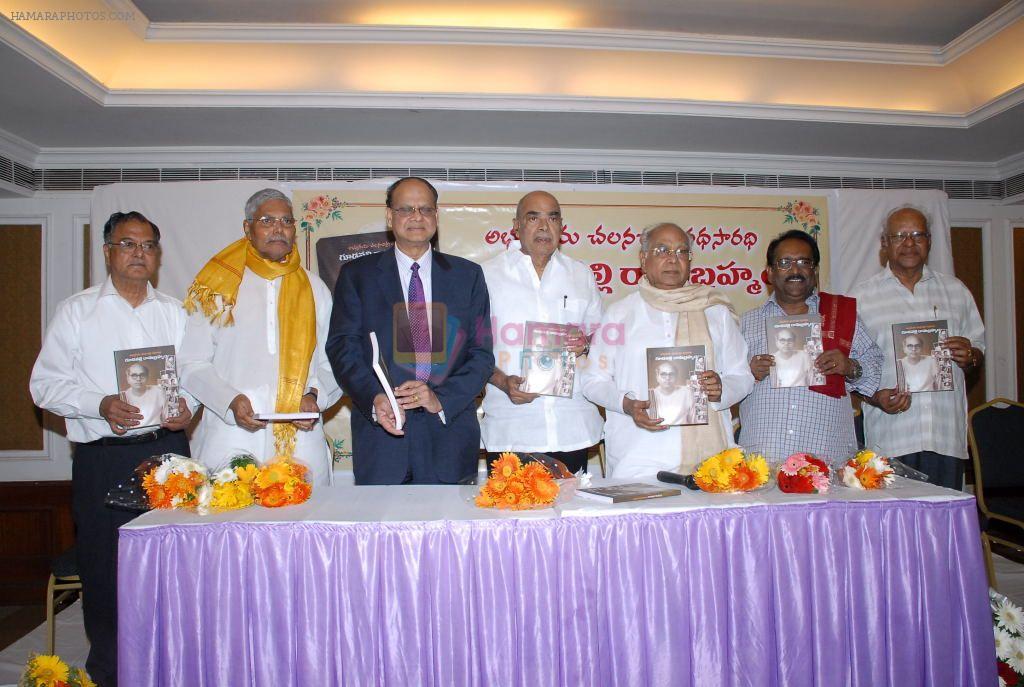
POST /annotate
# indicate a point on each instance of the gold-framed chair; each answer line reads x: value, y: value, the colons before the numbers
x: 993, y: 431
x: 64, y: 584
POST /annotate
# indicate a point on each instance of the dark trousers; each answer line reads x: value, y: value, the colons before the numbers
x: 945, y: 471
x: 94, y: 470
x: 574, y: 460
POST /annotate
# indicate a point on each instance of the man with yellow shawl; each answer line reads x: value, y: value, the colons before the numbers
x: 665, y: 311
x: 254, y: 344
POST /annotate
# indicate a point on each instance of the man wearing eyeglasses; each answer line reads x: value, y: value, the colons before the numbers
x: 74, y: 377
x: 926, y: 431
x: 665, y: 311
x: 430, y: 314
x: 779, y: 422
x: 533, y: 281
x: 254, y: 345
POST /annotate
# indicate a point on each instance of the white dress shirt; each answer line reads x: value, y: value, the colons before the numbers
x: 935, y: 421
x: 75, y: 368
x: 618, y: 365
x: 566, y: 294
x: 218, y: 363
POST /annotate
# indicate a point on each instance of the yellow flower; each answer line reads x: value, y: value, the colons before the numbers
x: 760, y: 467
x: 247, y: 473
x: 864, y: 456
x: 82, y: 677
x: 47, y: 671
x: 730, y: 457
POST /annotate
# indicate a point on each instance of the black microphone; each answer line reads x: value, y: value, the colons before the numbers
x: 675, y: 478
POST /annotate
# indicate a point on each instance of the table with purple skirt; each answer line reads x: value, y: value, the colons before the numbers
x: 414, y: 585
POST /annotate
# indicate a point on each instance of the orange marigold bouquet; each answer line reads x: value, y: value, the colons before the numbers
x: 281, y: 482
x: 174, y: 482
x: 515, y: 486
x: 868, y: 470
x: 44, y: 670
x: 732, y: 470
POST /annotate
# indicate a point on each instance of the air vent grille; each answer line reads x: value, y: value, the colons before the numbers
x: 59, y: 179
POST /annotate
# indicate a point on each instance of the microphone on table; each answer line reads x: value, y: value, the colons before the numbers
x: 675, y: 478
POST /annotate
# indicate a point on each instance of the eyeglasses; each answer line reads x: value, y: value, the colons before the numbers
x: 266, y: 221
x: 915, y: 236
x: 788, y: 263
x: 138, y: 375
x: 409, y: 211
x: 129, y: 246
x: 534, y: 220
x: 665, y: 251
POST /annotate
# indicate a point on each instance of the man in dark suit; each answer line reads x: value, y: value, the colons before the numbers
x: 431, y: 315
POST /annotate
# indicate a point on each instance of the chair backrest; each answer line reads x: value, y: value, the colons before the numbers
x: 995, y: 435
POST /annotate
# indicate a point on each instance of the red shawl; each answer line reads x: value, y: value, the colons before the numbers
x: 838, y: 322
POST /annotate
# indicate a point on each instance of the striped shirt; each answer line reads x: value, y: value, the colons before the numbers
x: 935, y: 421
x: 781, y: 422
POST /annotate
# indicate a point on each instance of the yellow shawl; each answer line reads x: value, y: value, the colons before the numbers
x: 214, y: 292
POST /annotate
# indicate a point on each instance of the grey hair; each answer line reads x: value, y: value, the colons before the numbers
x: 259, y: 198
x: 908, y: 206
x: 645, y: 235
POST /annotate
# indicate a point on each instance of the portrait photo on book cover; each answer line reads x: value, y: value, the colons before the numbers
x: 674, y: 388
x: 148, y: 380
x: 795, y: 343
x: 922, y: 362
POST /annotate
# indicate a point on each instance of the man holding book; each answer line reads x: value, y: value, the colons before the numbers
x: 779, y: 421
x: 534, y: 282
x: 74, y: 377
x: 665, y: 312
x: 254, y: 345
x: 430, y: 314
x: 927, y: 431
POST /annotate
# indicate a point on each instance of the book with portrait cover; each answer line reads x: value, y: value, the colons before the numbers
x: 548, y: 371
x: 673, y: 385
x: 621, y: 493
x: 923, y: 362
x: 540, y: 335
x: 147, y: 378
x: 795, y: 343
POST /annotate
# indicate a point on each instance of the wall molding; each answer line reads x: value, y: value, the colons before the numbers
x: 51, y: 60
x: 787, y: 48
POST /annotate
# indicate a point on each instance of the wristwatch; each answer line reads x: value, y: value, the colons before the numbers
x: 856, y: 372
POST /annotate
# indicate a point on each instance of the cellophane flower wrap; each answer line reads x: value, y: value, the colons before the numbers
x: 1008, y: 625
x: 44, y: 670
x: 514, y: 485
x: 282, y: 482
x: 867, y: 470
x: 231, y: 487
x: 174, y: 482
x: 732, y: 470
x: 803, y: 473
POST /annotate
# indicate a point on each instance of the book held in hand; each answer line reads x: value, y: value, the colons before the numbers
x: 673, y: 382
x: 547, y: 367
x: 621, y: 493
x: 923, y: 362
x: 380, y: 368
x: 794, y: 341
x: 147, y: 378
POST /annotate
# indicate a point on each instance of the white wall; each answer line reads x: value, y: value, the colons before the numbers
x: 63, y: 214
x: 62, y: 217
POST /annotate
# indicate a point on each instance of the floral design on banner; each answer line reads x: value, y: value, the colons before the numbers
x: 1008, y: 625
x: 318, y: 210
x: 804, y: 214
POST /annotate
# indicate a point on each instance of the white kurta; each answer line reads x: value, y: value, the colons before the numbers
x: 218, y: 363
x: 567, y: 294
x: 618, y: 365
